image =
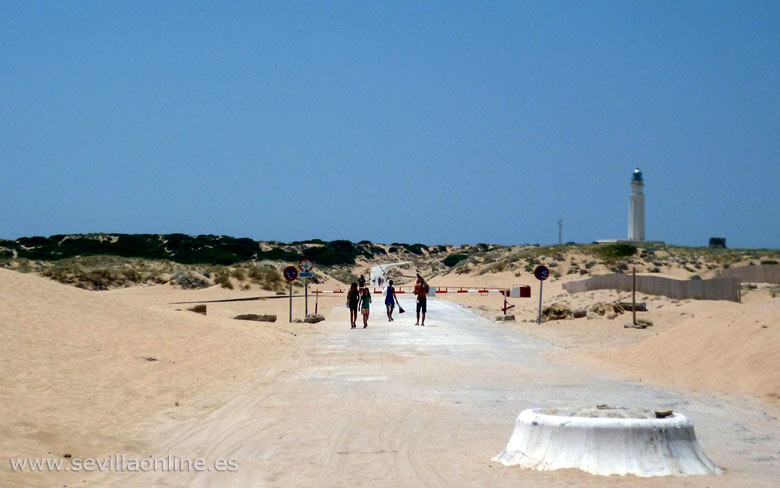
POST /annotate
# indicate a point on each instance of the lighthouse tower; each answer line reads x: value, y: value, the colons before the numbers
x: 636, y: 213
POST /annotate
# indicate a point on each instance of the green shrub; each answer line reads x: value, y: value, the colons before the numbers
x: 131, y: 275
x: 454, y: 259
x: 415, y: 248
x: 333, y: 253
x: 267, y: 277
x: 613, y: 252
x: 92, y: 274
x: 223, y: 279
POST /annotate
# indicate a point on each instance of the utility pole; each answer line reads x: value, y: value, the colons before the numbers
x: 560, y: 232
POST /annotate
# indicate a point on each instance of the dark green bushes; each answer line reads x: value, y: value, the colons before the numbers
x: 454, y: 259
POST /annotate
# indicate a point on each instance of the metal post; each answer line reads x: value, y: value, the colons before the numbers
x: 539, y: 319
x: 633, y: 294
x: 291, y: 302
x: 306, y: 295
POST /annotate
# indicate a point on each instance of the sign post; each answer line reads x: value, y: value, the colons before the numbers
x: 633, y: 294
x: 542, y: 273
x: 306, y: 266
x: 290, y: 274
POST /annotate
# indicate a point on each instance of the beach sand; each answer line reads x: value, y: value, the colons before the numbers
x: 96, y: 373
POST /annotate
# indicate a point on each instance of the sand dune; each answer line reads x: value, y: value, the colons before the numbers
x: 722, y: 347
x: 77, y: 371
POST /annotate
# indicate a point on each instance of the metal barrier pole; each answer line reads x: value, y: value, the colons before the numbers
x: 539, y: 319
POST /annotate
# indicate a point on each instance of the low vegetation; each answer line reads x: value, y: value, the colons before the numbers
x: 103, y: 274
x: 104, y: 261
x: 613, y: 252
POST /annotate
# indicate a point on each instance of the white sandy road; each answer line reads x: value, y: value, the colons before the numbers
x: 399, y: 405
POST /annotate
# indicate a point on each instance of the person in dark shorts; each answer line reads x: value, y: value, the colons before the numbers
x: 361, y: 283
x: 390, y: 300
x: 421, y: 290
x: 353, y: 296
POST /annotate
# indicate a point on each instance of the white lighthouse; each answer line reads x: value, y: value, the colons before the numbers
x: 636, y: 213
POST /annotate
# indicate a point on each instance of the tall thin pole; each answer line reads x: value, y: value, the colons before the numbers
x: 539, y: 319
x: 306, y: 295
x: 291, y: 302
x: 633, y: 294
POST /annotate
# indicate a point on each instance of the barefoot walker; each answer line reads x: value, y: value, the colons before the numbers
x: 390, y: 300
x: 365, y: 306
x: 352, y: 302
x: 421, y: 290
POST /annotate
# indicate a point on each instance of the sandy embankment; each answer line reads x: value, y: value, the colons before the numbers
x: 89, y: 373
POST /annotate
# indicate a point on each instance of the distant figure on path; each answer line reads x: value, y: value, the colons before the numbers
x: 365, y: 306
x: 390, y: 300
x: 353, y: 296
x: 361, y: 283
x: 421, y: 290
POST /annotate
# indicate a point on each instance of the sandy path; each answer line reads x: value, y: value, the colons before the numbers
x: 398, y: 405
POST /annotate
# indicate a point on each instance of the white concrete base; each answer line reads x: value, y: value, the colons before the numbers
x: 606, y: 442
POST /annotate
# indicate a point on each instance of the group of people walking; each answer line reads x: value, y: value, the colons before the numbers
x: 359, y: 296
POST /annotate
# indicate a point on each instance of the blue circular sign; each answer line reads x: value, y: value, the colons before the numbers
x: 541, y: 273
x: 290, y: 273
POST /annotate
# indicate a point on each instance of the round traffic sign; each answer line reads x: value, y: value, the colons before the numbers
x: 541, y: 272
x: 306, y: 265
x: 290, y: 273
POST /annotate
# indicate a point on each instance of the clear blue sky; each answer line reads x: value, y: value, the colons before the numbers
x: 434, y: 122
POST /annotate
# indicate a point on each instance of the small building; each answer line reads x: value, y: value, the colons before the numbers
x: 717, y: 242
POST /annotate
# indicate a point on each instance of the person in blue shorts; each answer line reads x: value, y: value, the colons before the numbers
x: 390, y: 300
